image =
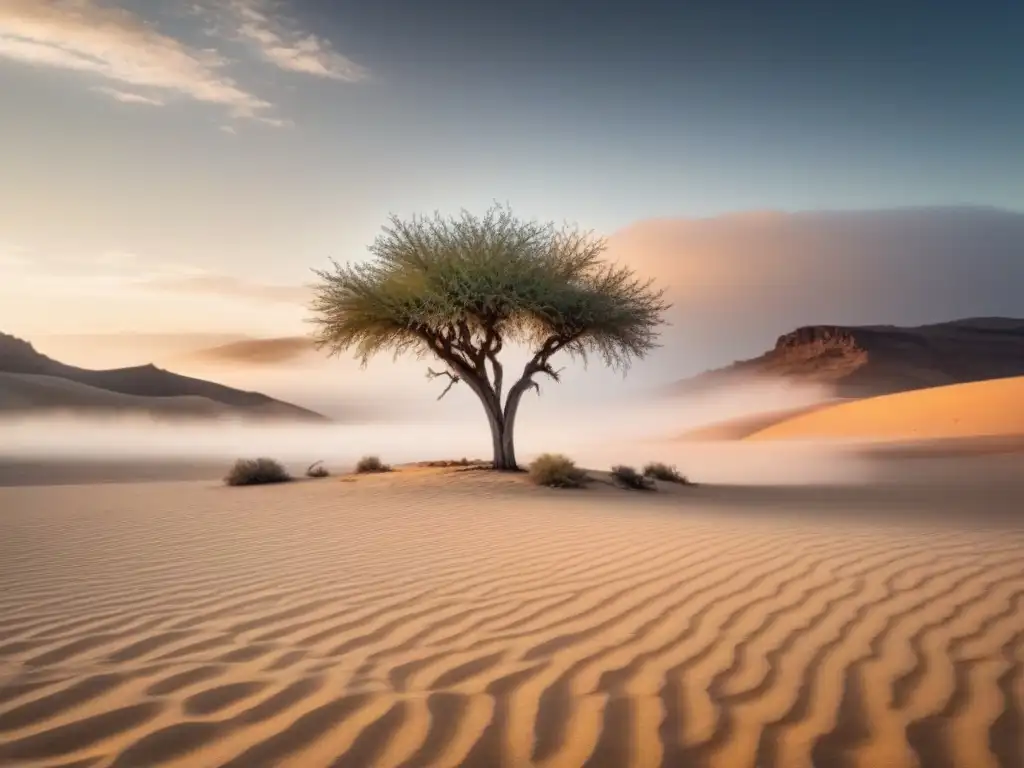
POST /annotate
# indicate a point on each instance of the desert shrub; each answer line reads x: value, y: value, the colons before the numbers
x: 317, y: 469
x: 369, y: 464
x: 557, y: 471
x: 628, y: 477
x: 445, y: 463
x: 257, y: 472
x: 669, y: 474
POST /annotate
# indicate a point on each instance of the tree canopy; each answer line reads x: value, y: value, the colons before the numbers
x: 463, y: 287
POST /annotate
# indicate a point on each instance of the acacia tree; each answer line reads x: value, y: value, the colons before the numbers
x: 463, y: 288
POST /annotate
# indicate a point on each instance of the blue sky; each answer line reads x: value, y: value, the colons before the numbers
x: 230, y: 145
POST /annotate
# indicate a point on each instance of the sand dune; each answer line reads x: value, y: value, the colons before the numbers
x: 24, y: 392
x: 745, y: 426
x: 978, y: 409
x: 435, y: 619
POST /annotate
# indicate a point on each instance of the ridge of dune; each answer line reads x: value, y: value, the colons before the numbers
x: 21, y: 392
x: 470, y: 619
x: 980, y: 409
x: 745, y: 426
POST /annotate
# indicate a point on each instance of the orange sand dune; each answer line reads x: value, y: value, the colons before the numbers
x: 441, y: 619
x: 744, y: 426
x: 992, y: 408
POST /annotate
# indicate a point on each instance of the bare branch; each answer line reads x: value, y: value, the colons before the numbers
x: 549, y: 371
x: 432, y: 374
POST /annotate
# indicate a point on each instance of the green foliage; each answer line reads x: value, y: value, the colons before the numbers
x: 256, y: 472
x: 669, y: 474
x: 470, y: 283
x: 628, y: 477
x: 370, y: 464
x: 557, y: 471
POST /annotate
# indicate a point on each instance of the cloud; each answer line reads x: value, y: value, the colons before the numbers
x: 13, y: 256
x: 87, y: 36
x: 281, y: 42
x: 258, y: 351
x: 740, y: 280
x: 126, y: 270
x: 127, y: 97
x: 232, y: 287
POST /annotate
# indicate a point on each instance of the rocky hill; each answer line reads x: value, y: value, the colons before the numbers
x: 862, y: 361
x: 141, y: 386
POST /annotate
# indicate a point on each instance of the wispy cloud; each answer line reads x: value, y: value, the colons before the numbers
x: 228, y: 286
x: 129, y: 271
x: 12, y: 256
x: 127, y: 97
x: 141, y: 64
x: 116, y: 44
x: 281, y: 41
x: 282, y: 349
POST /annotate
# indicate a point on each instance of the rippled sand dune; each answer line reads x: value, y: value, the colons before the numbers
x: 468, y: 619
x: 957, y: 411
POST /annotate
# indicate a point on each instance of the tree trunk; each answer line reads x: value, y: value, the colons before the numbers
x: 501, y: 441
x: 508, y: 422
x: 502, y: 422
x: 503, y: 428
x: 504, y: 454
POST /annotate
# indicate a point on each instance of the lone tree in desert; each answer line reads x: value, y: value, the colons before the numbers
x: 463, y: 288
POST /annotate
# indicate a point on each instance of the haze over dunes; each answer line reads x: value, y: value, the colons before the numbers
x: 32, y: 382
x: 467, y: 619
x: 831, y: 572
x: 979, y: 409
x: 257, y: 351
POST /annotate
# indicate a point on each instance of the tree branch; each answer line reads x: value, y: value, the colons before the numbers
x: 491, y: 347
x: 432, y: 374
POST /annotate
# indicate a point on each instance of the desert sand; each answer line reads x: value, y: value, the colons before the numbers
x: 745, y: 426
x: 985, y: 409
x: 438, y: 618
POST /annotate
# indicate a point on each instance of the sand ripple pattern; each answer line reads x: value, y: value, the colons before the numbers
x: 432, y: 624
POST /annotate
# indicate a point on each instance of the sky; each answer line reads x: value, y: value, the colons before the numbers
x: 178, y: 167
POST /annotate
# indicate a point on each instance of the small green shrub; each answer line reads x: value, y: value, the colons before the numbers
x: 669, y: 474
x: 257, y: 472
x: 557, y: 471
x: 317, y: 469
x: 369, y: 464
x: 628, y: 477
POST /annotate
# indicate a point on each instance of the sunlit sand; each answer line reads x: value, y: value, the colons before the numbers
x: 979, y: 409
x: 445, y: 618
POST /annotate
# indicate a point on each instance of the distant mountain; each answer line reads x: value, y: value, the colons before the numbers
x: 257, y: 351
x: 863, y: 361
x: 36, y: 382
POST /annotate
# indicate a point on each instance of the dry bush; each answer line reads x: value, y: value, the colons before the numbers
x: 628, y: 477
x: 669, y: 474
x: 446, y: 463
x: 370, y: 464
x: 257, y: 472
x: 557, y: 471
x: 317, y: 469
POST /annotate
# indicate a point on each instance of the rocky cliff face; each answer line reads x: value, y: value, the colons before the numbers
x: 862, y: 361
